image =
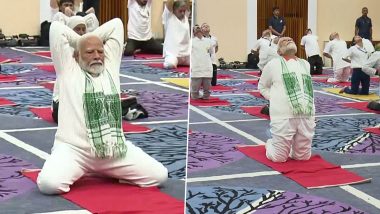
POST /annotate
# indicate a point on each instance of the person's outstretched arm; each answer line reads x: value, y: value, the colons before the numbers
x: 62, y: 41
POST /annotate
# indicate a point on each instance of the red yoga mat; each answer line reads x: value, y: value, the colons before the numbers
x: 255, y: 111
x: 43, y: 53
x: 43, y: 112
x: 47, y: 85
x: 106, y: 195
x: 254, y: 73
x: 255, y: 82
x: 360, y: 106
x: 212, y: 101
x: 221, y: 88
x: 313, y: 173
x: 374, y: 130
x: 375, y: 79
x: 5, y: 102
x: 223, y: 76
x: 8, y: 78
x: 4, y: 59
x: 180, y: 69
x: 48, y: 68
x: 134, y: 129
x: 148, y: 56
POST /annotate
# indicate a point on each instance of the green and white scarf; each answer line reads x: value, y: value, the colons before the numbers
x: 102, y: 114
x: 302, y: 103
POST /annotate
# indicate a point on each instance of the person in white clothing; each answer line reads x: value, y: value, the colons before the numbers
x: 357, y: 55
x: 89, y: 138
x: 177, y: 33
x: 140, y: 37
x: 201, y: 64
x: 214, y: 41
x: 262, y: 46
x: 335, y: 49
x: 367, y: 44
x: 372, y: 68
x: 310, y: 43
x: 286, y: 83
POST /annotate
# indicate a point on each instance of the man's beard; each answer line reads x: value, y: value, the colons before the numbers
x: 289, y: 49
x: 95, y: 67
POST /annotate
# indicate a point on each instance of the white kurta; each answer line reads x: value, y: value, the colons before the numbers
x: 263, y: 46
x: 311, y: 45
x: 291, y: 135
x: 139, y: 21
x: 358, y: 55
x: 201, y: 64
x: 214, y: 43
x: 368, y: 45
x: 372, y: 64
x: 337, y: 49
x: 71, y: 156
x: 177, y: 35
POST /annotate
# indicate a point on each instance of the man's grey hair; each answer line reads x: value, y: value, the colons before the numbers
x: 84, y: 38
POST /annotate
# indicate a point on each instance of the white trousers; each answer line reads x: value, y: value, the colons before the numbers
x: 68, y: 163
x: 290, y: 138
x: 173, y: 61
x: 341, y: 75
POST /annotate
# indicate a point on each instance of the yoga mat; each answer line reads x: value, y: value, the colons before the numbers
x: 48, y: 85
x: 374, y: 130
x: 254, y: 73
x: 48, y: 68
x: 360, y: 106
x: 182, y: 82
x: 45, y: 114
x: 180, y: 69
x: 8, y: 78
x: 256, y: 94
x: 5, y: 102
x: 221, y: 88
x: 148, y: 56
x: 313, y: 173
x: 134, y: 129
x: 255, y: 82
x: 359, y: 97
x: 341, y: 84
x: 106, y: 195
x: 4, y: 59
x: 212, y: 101
x: 43, y: 53
x: 255, y: 111
x: 224, y: 76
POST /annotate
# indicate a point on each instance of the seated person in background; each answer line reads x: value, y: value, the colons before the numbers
x: 201, y: 64
x: 357, y: 55
x: 336, y: 49
x: 287, y: 84
x: 177, y: 33
x: 310, y: 43
x: 63, y: 9
x: 140, y: 37
x: 89, y: 137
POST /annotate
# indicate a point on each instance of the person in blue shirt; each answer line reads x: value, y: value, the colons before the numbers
x: 277, y: 23
x: 363, y: 25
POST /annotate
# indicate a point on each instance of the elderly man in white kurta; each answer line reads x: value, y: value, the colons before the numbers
x: 287, y: 84
x: 335, y: 49
x: 89, y: 137
x: 177, y: 33
x: 201, y: 64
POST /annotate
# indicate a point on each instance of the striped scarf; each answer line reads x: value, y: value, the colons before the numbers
x: 301, y: 102
x: 102, y: 114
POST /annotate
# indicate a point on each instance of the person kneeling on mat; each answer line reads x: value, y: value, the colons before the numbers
x: 286, y: 83
x: 89, y: 138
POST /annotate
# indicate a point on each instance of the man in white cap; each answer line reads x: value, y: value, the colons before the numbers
x: 287, y: 84
x: 89, y: 137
